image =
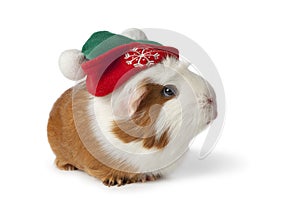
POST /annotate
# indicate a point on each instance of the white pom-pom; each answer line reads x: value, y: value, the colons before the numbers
x: 70, y: 64
x: 135, y: 34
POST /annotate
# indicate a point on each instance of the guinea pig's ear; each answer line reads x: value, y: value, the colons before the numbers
x: 172, y: 62
x: 183, y: 64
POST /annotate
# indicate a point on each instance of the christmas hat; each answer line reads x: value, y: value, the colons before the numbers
x: 109, y: 60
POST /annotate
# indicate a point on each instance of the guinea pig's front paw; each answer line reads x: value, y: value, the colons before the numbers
x: 113, y: 180
x: 116, y: 180
x: 148, y: 177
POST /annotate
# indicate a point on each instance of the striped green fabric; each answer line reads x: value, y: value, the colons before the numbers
x: 103, y: 41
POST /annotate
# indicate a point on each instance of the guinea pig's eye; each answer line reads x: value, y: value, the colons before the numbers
x: 169, y: 91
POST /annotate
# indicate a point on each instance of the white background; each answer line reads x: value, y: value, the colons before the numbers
x: 255, y: 46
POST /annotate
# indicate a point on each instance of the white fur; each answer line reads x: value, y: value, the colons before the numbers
x: 135, y: 34
x: 70, y: 64
x: 185, y: 116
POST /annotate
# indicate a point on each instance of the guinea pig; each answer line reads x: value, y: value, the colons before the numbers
x: 138, y: 132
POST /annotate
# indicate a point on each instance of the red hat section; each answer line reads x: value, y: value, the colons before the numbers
x: 121, y: 63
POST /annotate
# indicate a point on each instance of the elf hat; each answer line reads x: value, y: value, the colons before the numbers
x: 109, y: 60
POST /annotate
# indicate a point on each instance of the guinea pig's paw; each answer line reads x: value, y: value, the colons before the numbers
x: 148, y: 177
x: 116, y: 180
x: 153, y: 177
x: 119, y: 180
x: 62, y: 165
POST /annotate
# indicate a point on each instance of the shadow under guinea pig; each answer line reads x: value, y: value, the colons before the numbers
x: 192, y: 166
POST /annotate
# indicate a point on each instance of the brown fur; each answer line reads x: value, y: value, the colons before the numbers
x: 144, y: 117
x: 70, y: 147
x: 146, y: 134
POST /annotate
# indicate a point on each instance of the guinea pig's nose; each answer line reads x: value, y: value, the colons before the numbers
x: 206, y: 101
x: 209, y: 101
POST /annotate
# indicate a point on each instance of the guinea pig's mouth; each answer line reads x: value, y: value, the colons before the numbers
x: 213, y: 116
